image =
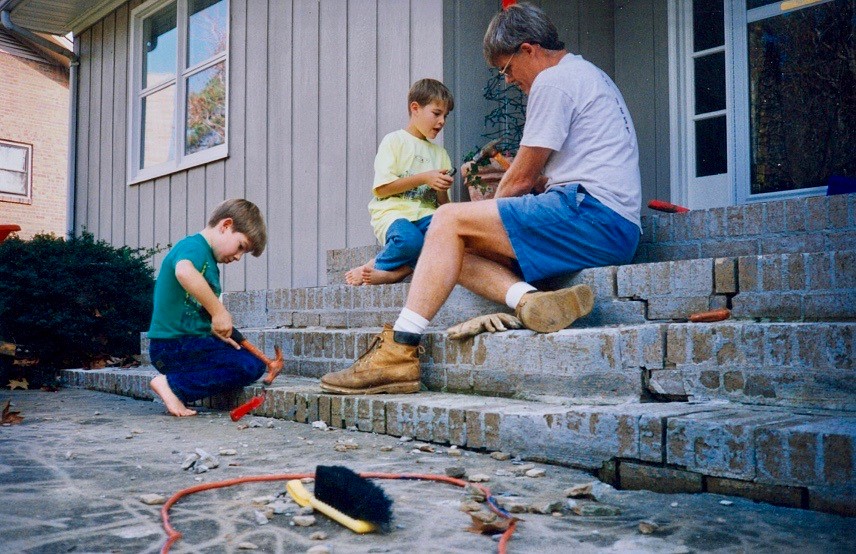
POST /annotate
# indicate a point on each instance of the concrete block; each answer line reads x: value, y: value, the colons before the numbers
x: 667, y: 382
x: 796, y: 214
x: 774, y: 216
x: 717, y: 225
x: 720, y: 444
x: 676, y: 307
x: 753, y: 219
x: 830, y: 306
x: 760, y: 492
x: 691, y: 278
x: 775, y: 306
x: 793, y: 243
x: 734, y: 220
x: 839, y: 500
x: 634, y: 476
x: 642, y: 346
x: 844, y: 267
x: 725, y: 275
x: 841, y: 240
x: 732, y: 247
x: 748, y: 274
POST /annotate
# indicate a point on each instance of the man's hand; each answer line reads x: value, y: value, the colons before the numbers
x: 221, y: 327
x: 491, y: 323
x: 438, y: 179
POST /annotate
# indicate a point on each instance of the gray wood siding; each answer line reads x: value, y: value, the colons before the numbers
x: 313, y: 86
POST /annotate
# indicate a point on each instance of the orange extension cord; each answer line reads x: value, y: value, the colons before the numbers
x: 173, y: 535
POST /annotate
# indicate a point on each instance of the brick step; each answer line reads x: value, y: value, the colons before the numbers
x: 801, y: 458
x: 807, y: 365
x: 815, y: 224
x: 785, y: 287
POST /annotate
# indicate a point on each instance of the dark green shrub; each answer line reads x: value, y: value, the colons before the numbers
x: 74, y: 302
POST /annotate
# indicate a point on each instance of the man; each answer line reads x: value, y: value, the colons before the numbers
x: 579, y: 147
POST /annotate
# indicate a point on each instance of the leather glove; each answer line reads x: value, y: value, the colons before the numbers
x: 491, y: 323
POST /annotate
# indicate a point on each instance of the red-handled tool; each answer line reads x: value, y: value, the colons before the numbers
x: 662, y: 206
x: 274, y: 368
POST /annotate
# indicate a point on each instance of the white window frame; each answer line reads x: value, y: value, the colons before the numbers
x: 20, y: 198
x: 742, y: 142
x: 179, y: 161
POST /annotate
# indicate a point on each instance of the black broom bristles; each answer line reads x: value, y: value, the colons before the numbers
x: 353, y: 495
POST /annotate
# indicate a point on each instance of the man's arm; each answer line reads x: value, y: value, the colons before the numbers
x: 195, y: 284
x: 525, y: 173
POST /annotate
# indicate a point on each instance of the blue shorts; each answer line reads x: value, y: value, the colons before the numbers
x: 198, y: 367
x: 565, y: 230
x: 404, y: 240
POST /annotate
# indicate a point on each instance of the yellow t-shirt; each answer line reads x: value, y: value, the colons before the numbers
x: 400, y: 154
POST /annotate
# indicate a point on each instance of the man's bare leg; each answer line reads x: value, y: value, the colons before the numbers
x: 458, y: 234
x: 173, y: 404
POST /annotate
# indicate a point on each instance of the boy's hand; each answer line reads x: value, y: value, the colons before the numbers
x: 439, y: 179
x: 221, y: 327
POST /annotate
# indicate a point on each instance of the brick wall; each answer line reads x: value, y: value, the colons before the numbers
x: 34, y: 109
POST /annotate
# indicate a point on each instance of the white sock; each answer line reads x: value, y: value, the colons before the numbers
x: 410, y: 322
x: 516, y: 292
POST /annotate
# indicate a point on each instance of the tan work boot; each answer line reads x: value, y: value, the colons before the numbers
x: 547, y: 312
x: 386, y: 366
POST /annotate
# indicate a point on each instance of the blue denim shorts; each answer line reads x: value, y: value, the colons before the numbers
x: 565, y: 230
x: 198, y: 367
x: 404, y: 240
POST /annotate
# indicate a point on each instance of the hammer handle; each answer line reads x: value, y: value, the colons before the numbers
x: 502, y: 160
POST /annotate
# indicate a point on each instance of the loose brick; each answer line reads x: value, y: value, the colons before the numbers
x: 635, y: 476
x: 725, y: 275
x: 760, y: 492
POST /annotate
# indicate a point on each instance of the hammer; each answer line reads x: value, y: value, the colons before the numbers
x: 274, y: 367
x: 489, y: 151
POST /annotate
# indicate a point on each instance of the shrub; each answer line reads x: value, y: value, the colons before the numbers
x: 75, y: 301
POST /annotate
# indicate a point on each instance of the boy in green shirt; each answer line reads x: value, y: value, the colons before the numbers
x: 412, y: 177
x: 190, y: 334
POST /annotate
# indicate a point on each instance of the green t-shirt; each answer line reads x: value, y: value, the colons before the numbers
x: 176, y: 313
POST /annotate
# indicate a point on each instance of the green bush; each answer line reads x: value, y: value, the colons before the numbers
x: 74, y: 302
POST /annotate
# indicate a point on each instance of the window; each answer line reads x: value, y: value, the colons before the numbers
x: 178, y: 94
x: 16, y: 170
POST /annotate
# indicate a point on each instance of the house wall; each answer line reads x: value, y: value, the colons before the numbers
x: 313, y: 87
x: 34, y: 110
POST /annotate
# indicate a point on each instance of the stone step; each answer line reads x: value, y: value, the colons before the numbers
x: 785, y: 287
x: 801, y: 458
x: 814, y: 224
x: 808, y: 365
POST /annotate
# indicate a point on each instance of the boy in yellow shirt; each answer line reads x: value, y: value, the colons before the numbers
x: 411, y: 180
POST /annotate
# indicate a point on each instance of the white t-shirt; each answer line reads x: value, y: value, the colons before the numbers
x: 576, y: 110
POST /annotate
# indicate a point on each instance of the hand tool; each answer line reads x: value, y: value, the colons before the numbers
x: 711, y: 316
x: 489, y: 151
x: 662, y: 206
x: 274, y: 368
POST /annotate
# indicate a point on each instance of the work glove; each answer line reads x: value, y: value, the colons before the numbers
x: 491, y: 323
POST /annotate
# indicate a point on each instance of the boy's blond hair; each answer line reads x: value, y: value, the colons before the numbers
x: 246, y: 218
x: 425, y: 91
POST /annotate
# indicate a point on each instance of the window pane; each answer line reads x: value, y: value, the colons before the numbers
x: 710, y: 139
x: 13, y: 182
x: 13, y: 157
x: 159, y: 48
x: 206, y: 109
x: 708, y: 24
x: 710, y: 83
x: 750, y: 4
x: 158, y: 125
x: 802, y: 97
x: 206, y: 30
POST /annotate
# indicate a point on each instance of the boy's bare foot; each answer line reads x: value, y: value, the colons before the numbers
x: 354, y: 276
x: 375, y: 276
x: 173, y: 404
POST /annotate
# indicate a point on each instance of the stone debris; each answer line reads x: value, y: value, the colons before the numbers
x: 270, y: 424
x: 279, y: 507
x: 426, y: 448
x: 470, y: 506
x: 303, y: 521
x: 319, y: 549
x: 69, y: 455
x: 536, y: 473
x: 227, y: 452
x: 455, y: 453
x: 318, y: 536
x: 152, y: 499
x: 471, y: 492
x: 405, y: 438
x: 207, y: 459
x: 503, y: 473
x: 545, y: 506
x: 520, y: 470
x: 591, y: 509
x: 648, y: 527
x: 345, y: 445
x: 456, y: 472
x: 305, y: 511
x: 247, y: 546
x: 199, y: 468
x: 255, y: 424
x: 189, y: 461
x: 478, y: 478
x: 307, y: 480
x: 500, y: 456
x: 320, y: 425
x: 514, y: 505
x: 580, y: 491
x: 262, y: 500
x: 260, y: 517
x: 726, y: 502
x: 386, y: 449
